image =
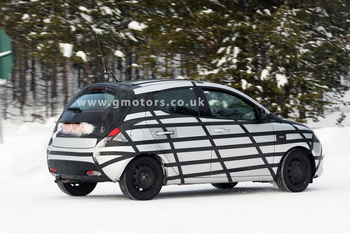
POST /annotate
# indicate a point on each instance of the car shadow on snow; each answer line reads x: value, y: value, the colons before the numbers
x: 216, y: 192
x: 193, y: 193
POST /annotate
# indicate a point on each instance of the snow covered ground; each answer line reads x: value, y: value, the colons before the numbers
x: 31, y: 202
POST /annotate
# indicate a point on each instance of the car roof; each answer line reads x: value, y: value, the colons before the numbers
x: 146, y: 86
x: 151, y: 85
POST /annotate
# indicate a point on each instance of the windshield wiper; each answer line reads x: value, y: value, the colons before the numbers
x: 74, y: 109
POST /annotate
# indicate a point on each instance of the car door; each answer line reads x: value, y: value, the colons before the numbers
x: 181, y: 135
x: 243, y: 144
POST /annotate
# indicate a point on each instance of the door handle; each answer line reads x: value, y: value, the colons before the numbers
x: 162, y: 133
x: 220, y: 130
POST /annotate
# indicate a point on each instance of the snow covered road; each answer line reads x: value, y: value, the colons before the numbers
x: 31, y: 202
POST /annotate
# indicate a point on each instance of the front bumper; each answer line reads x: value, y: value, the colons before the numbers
x: 319, y: 166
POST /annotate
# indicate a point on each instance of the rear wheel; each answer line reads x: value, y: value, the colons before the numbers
x: 295, y: 172
x: 142, y: 178
x: 77, y: 188
x: 225, y: 185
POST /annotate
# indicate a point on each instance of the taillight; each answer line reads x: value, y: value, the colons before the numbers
x: 114, y: 132
x: 51, y: 169
x: 93, y: 173
x: 115, y: 135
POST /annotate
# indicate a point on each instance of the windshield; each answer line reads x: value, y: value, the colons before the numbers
x: 93, y: 101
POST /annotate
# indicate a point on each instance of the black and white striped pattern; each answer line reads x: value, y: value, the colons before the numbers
x: 195, y: 153
x: 199, y: 150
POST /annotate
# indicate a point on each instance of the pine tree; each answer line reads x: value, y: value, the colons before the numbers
x: 290, y: 55
x: 38, y: 28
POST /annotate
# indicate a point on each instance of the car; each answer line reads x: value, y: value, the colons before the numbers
x: 145, y: 134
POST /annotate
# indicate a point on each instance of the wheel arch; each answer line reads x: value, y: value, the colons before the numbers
x: 307, y: 152
x: 157, y: 158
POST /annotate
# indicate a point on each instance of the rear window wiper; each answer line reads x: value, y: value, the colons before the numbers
x: 74, y: 109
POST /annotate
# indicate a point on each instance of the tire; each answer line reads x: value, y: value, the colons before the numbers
x: 77, y: 188
x: 142, y: 178
x: 225, y: 185
x: 295, y: 172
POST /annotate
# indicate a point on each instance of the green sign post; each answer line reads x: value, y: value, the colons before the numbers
x: 6, y: 64
x: 6, y: 61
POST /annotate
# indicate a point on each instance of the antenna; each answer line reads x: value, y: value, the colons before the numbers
x: 105, y: 74
x: 116, y: 80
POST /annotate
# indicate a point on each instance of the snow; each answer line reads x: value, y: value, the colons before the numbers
x: 97, y: 30
x: 236, y: 51
x: 31, y: 202
x: 66, y: 49
x: 221, y: 61
x: 208, y: 11
x: 133, y: 2
x: 25, y: 17
x: 220, y: 50
x: 204, y: 72
x: 131, y: 36
x: 82, y: 55
x: 133, y: 25
x: 323, y: 30
x: 244, y: 84
x: 119, y: 53
x: 267, y: 11
x: 83, y: 8
x: 265, y: 73
x: 281, y: 80
x: 86, y: 17
x: 331, y: 118
x: 106, y: 10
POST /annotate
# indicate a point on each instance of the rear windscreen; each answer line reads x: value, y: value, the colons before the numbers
x: 94, y: 101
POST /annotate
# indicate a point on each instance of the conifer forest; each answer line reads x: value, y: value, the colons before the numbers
x: 290, y: 55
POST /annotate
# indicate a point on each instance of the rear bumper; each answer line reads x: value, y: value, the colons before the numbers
x: 72, y: 164
x: 76, y: 171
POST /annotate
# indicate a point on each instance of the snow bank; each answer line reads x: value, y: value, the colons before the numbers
x: 23, y: 154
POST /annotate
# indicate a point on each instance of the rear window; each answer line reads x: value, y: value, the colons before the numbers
x: 94, y: 101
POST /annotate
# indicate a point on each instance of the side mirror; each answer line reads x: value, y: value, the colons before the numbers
x: 262, y: 115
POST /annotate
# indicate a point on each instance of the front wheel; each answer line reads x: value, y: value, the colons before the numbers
x: 295, y: 172
x: 142, y: 178
x: 77, y: 188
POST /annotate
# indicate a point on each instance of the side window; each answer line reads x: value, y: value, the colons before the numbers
x: 226, y: 106
x: 177, y: 101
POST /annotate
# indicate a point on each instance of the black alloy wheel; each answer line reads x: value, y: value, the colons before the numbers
x: 295, y: 172
x: 142, y: 178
